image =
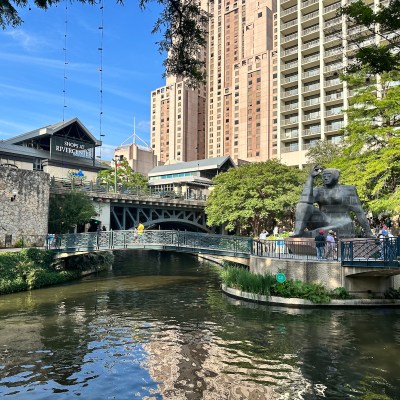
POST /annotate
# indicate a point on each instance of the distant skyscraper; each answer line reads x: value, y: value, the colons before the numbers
x: 240, y: 69
x: 235, y: 114
x: 178, y: 122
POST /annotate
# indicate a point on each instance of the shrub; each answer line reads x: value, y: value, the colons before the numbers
x: 242, y: 279
x: 340, y: 293
x: 392, y: 293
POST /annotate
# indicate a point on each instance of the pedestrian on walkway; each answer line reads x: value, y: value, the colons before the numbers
x: 320, y: 245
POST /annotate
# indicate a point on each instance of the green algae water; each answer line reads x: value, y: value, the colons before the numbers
x: 158, y: 327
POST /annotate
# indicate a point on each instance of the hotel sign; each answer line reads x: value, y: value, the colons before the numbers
x: 72, y: 147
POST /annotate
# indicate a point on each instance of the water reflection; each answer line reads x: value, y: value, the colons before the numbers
x: 159, y: 327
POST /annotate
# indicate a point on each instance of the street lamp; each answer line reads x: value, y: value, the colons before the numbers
x: 116, y: 159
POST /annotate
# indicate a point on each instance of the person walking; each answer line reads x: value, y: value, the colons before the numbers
x: 330, y: 245
x: 320, y: 245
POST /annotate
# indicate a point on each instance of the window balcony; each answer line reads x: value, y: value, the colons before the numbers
x: 290, y: 65
x: 311, y: 116
x: 308, y: 17
x: 333, y: 97
x: 290, y: 107
x: 290, y: 93
x: 289, y: 24
x: 311, y: 73
x: 310, y: 30
x: 288, y: 11
x: 289, y: 38
x: 311, y: 59
x: 333, y: 22
x: 289, y: 51
x: 289, y: 149
x: 310, y: 88
x: 289, y: 135
x: 311, y: 102
x: 332, y: 7
x: 310, y: 45
x: 311, y: 132
x: 290, y: 79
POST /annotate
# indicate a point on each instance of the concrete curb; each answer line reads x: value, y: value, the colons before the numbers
x: 301, y: 303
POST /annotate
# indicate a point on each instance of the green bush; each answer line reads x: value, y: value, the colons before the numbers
x: 242, y: 279
x: 392, y: 293
x: 340, y: 293
x: 34, y: 268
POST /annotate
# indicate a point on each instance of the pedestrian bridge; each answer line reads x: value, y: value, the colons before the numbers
x: 183, y: 241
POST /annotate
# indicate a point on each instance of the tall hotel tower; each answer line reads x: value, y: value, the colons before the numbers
x: 241, y: 114
x: 178, y: 122
x: 311, y: 51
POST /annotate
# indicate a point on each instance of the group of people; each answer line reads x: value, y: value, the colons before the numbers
x: 326, y: 246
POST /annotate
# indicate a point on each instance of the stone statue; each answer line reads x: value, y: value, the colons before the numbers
x: 334, y: 201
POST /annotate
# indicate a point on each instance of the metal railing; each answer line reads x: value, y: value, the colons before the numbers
x: 152, y: 239
x: 380, y: 252
x: 62, y: 185
x: 293, y: 249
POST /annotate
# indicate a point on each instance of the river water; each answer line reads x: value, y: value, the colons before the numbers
x: 158, y: 327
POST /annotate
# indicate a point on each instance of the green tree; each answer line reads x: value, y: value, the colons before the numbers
x: 183, y: 23
x: 126, y: 176
x: 383, y: 22
x: 66, y: 211
x: 371, y: 156
x: 323, y: 153
x: 253, y: 196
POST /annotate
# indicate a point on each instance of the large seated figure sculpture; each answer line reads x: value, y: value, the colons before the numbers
x: 335, y: 202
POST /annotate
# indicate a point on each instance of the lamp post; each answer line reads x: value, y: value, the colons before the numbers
x: 116, y: 159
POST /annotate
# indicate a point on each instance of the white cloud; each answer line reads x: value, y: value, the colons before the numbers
x: 27, y: 41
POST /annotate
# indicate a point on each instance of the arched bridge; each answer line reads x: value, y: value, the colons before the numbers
x: 125, y: 209
x: 190, y: 242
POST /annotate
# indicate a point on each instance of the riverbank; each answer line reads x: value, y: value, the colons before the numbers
x: 302, y: 303
x: 33, y: 268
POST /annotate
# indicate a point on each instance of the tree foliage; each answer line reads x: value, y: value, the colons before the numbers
x: 383, y: 22
x: 253, y: 195
x: 183, y: 22
x: 371, y: 156
x: 324, y: 152
x: 126, y: 176
x: 71, y: 209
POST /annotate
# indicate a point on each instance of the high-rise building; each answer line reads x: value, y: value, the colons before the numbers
x: 312, y: 52
x: 178, y: 122
x: 235, y: 115
x: 241, y: 114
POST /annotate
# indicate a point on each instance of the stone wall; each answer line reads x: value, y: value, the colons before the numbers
x: 359, y: 282
x: 328, y: 273
x: 24, y: 203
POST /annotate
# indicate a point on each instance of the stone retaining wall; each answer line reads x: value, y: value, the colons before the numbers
x: 24, y: 203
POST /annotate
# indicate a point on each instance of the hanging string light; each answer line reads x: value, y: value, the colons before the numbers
x: 101, y: 29
x: 65, y: 61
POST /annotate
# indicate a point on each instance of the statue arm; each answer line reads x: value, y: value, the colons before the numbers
x: 355, y: 206
x: 308, y: 195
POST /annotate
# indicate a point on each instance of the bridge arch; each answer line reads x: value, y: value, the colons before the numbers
x: 126, y: 216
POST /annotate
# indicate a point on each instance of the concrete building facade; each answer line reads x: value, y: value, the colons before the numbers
x: 178, y: 122
x: 240, y: 80
x: 312, y: 53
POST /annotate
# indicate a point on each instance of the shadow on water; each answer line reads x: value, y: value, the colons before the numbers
x: 158, y: 326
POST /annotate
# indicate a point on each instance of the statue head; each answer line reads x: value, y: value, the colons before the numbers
x: 330, y: 176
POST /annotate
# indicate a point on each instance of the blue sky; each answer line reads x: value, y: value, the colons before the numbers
x: 32, y: 70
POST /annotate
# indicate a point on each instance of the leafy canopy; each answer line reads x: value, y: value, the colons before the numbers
x: 68, y: 210
x: 184, y: 35
x: 371, y: 154
x: 253, y: 196
x: 383, y: 22
x: 126, y: 176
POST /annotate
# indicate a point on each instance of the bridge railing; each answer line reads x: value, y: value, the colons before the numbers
x: 380, y: 252
x: 64, y: 184
x: 174, y: 240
